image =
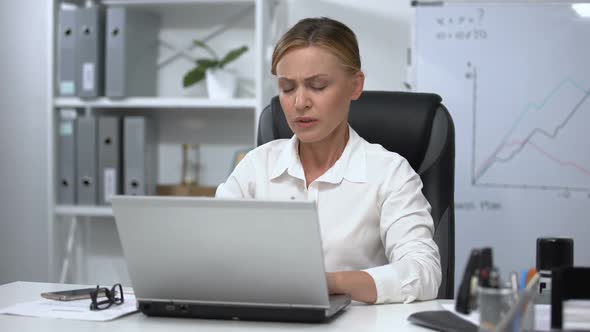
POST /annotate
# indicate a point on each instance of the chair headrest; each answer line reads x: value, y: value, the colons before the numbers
x: 399, y: 121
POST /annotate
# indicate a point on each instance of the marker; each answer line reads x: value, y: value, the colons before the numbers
x: 530, y: 274
x: 514, y: 281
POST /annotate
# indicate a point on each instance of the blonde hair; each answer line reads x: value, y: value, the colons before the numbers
x: 324, y: 32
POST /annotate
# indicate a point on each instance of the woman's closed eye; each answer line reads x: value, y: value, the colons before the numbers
x: 286, y: 88
x: 318, y: 84
x: 315, y: 86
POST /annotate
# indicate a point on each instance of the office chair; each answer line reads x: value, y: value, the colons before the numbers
x: 416, y: 126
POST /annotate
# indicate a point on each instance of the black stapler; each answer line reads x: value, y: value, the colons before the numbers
x: 478, y: 260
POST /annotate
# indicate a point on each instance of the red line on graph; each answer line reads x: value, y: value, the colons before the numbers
x: 578, y: 167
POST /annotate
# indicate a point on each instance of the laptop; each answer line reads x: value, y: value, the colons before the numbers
x: 225, y: 259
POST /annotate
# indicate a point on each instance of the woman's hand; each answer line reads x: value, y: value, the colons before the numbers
x: 358, y: 284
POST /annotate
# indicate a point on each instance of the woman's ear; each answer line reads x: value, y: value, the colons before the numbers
x: 358, y: 83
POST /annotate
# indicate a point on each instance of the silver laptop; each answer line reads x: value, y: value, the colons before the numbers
x: 225, y: 259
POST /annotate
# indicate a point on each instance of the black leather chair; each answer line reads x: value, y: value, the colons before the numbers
x: 418, y: 127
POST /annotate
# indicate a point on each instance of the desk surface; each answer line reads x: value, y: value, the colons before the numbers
x: 358, y: 317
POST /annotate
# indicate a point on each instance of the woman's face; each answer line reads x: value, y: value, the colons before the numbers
x: 315, y: 92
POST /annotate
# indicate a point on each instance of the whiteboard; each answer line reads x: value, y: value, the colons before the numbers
x: 516, y: 79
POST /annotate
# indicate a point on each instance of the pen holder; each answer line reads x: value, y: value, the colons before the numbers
x: 528, y: 317
x: 493, y: 304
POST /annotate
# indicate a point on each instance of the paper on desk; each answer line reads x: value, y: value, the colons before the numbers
x: 79, y: 310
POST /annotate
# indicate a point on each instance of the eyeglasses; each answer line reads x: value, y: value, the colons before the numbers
x: 110, y: 294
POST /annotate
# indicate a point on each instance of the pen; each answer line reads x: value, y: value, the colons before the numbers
x: 522, y: 280
x: 514, y: 281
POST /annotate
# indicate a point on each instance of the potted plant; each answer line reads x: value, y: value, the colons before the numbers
x: 221, y: 83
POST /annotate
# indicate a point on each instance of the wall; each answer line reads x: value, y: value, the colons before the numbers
x: 383, y: 32
x: 23, y: 140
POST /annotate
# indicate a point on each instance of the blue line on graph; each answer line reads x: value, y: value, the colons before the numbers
x: 528, y: 108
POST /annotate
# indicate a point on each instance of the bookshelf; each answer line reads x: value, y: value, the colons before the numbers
x: 222, y: 126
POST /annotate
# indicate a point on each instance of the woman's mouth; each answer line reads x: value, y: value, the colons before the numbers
x: 305, y: 122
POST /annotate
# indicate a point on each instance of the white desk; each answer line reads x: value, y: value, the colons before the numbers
x: 358, y: 317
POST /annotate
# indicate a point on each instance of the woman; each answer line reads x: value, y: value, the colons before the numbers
x: 375, y: 223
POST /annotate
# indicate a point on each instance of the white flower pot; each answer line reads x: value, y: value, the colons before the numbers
x: 221, y: 83
x: 195, y: 90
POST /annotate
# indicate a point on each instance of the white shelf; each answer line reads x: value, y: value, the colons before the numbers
x: 75, y: 210
x: 157, y: 102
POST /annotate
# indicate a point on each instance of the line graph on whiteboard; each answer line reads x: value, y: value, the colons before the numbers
x: 548, y: 136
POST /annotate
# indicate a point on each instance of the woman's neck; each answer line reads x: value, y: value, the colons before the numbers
x: 316, y: 158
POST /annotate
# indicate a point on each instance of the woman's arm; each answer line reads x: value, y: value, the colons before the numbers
x: 358, y: 284
x: 240, y: 183
x: 406, y: 230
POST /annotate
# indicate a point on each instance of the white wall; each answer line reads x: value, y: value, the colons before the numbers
x: 23, y: 133
x: 382, y: 28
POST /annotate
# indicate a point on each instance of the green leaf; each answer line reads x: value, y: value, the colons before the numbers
x: 233, y: 55
x: 206, y: 47
x: 195, y: 75
x: 208, y: 63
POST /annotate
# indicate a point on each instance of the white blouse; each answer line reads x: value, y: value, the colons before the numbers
x: 372, y: 213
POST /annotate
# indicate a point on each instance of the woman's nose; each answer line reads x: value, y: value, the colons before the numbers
x: 302, y: 101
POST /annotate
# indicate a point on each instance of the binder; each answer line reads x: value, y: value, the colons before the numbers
x: 66, y: 192
x: 89, y: 51
x: 67, y: 53
x: 131, y: 52
x: 140, y: 156
x: 86, y: 188
x: 109, y: 158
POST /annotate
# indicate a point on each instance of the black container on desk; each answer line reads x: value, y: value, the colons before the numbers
x: 552, y: 253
